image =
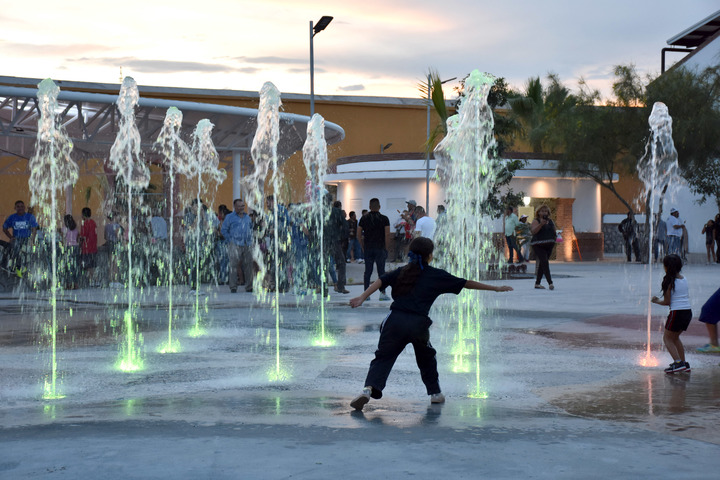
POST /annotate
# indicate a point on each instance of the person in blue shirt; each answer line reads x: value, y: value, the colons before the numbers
x: 23, y: 226
x: 414, y: 289
x: 237, y: 230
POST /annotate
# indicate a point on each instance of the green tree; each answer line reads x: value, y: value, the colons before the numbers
x: 693, y: 101
x: 600, y: 141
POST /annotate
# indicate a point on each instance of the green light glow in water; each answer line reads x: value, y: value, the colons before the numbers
x: 50, y: 411
x: 323, y: 341
x: 463, y: 239
x: 171, y: 346
x: 197, y: 330
x: 278, y: 373
x: 130, y: 359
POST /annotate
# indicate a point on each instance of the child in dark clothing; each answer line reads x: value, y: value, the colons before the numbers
x: 414, y: 289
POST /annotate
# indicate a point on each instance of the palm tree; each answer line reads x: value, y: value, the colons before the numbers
x: 437, y: 101
x: 538, y: 108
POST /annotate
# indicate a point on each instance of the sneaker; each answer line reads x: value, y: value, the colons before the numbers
x: 709, y: 348
x: 537, y: 285
x: 552, y: 287
x: 359, y: 402
x: 437, y: 398
x: 687, y: 367
x: 361, y: 261
x: 676, y: 367
x: 384, y: 297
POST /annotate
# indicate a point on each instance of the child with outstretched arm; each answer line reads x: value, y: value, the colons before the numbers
x: 414, y: 289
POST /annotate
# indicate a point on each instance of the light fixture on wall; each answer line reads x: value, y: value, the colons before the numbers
x: 385, y: 147
x: 526, y: 201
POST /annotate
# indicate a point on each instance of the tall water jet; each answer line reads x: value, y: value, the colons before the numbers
x: 265, y: 158
x: 316, y: 165
x: 127, y: 161
x: 176, y: 158
x: 468, y: 173
x: 204, y: 168
x: 659, y: 171
x: 51, y: 157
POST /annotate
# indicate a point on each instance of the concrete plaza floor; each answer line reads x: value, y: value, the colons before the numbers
x: 564, y: 393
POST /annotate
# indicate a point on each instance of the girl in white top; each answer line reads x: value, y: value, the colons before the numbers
x: 676, y: 296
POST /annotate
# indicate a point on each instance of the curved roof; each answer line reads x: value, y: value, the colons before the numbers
x: 91, y: 121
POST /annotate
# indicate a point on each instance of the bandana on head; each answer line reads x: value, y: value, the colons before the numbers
x: 415, y: 258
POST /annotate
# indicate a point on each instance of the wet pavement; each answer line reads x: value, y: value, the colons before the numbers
x: 562, y: 392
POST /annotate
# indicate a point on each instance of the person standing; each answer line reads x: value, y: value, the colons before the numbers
x: 354, y: 252
x: 675, y: 228
x: 676, y: 296
x: 543, y: 240
x: 336, y: 229
x: 24, y: 226
x: 88, y: 245
x: 523, y: 236
x: 628, y: 228
x: 511, y: 224
x: 709, y: 232
x: 237, y: 229
x: 425, y: 225
x: 411, y: 206
x: 374, y: 230
x: 660, y: 238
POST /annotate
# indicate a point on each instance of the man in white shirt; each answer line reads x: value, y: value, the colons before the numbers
x: 424, y: 225
x: 675, y: 228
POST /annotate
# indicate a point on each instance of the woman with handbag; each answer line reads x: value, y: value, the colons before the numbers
x: 543, y: 240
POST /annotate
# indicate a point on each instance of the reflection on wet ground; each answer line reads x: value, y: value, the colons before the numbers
x: 685, y: 404
x: 577, y: 365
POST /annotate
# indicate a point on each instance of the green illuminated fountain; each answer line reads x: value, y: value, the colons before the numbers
x: 203, y: 167
x: 316, y: 165
x: 52, y: 171
x: 467, y: 173
x: 176, y: 157
x: 126, y: 159
x: 265, y: 157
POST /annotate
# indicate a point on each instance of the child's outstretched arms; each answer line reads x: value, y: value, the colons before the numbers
x: 357, y: 301
x: 473, y: 285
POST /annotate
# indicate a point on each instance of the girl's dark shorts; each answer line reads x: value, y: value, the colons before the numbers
x: 678, y: 320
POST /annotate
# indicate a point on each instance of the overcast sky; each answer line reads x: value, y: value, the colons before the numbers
x: 372, y: 47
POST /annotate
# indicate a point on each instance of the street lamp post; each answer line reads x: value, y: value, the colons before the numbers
x: 427, y: 153
x: 314, y: 30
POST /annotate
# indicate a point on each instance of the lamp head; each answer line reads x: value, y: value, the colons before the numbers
x: 322, y: 24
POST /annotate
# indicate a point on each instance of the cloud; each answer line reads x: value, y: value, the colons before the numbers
x: 352, y: 88
x: 45, y: 50
x: 162, y: 66
x: 305, y: 70
x: 272, y: 60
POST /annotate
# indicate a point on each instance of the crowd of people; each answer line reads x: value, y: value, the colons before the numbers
x: 215, y: 247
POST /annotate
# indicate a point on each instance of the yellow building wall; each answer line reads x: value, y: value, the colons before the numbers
x: 366, y: 126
